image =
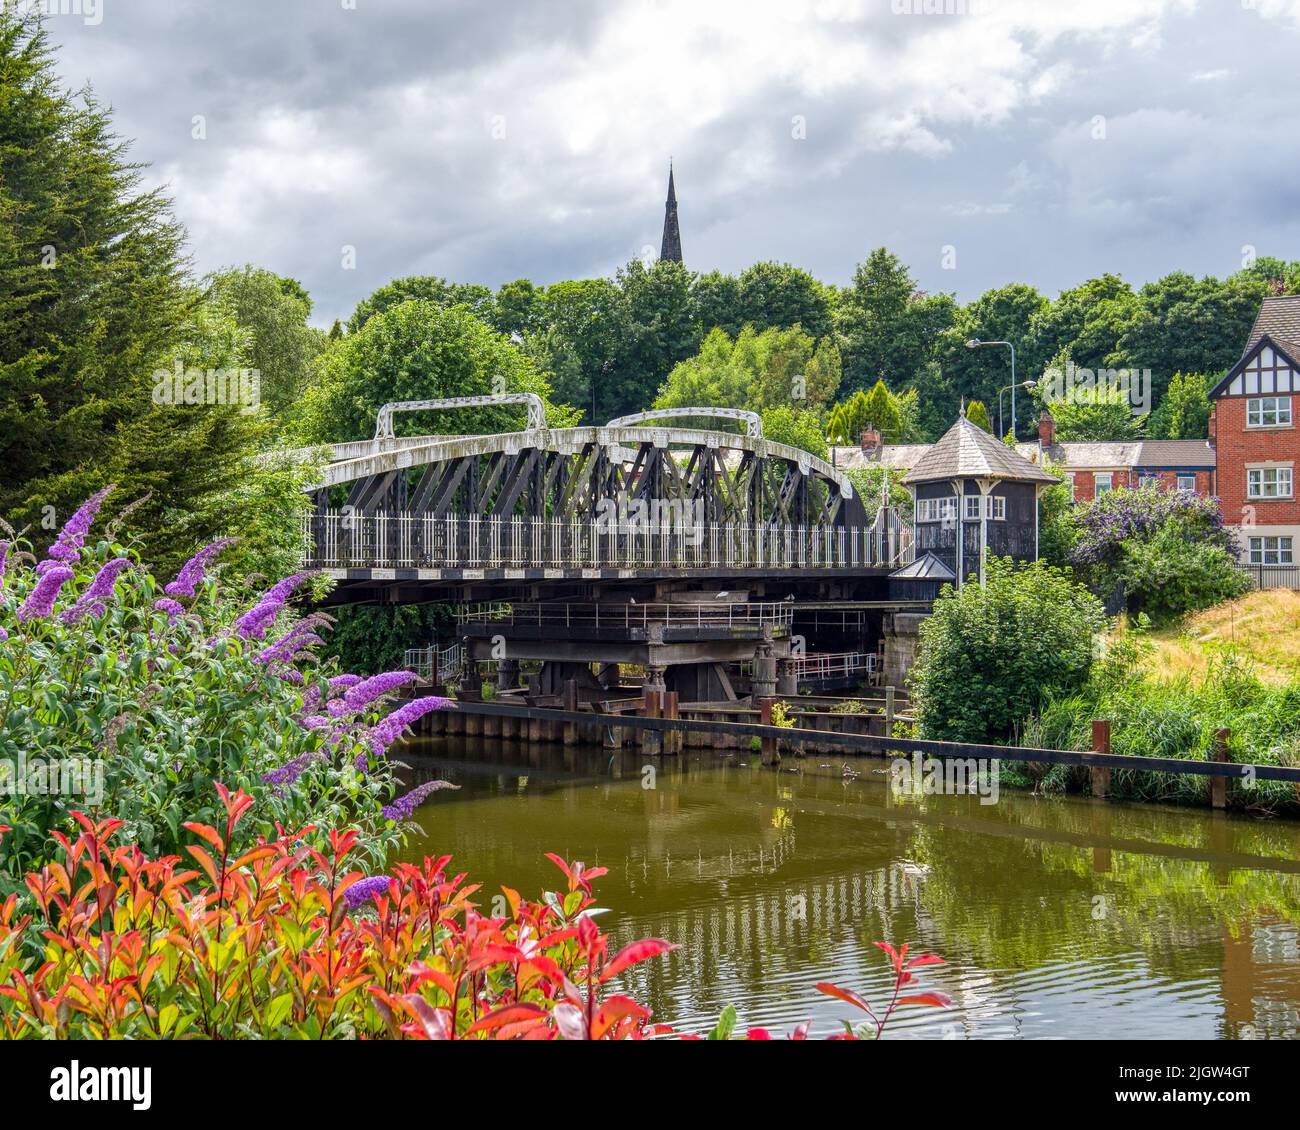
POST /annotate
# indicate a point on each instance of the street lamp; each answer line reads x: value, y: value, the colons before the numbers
x: 1022, y: 384
x: 975, y: 343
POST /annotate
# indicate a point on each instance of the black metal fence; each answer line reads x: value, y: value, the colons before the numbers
x: 1274, y: 576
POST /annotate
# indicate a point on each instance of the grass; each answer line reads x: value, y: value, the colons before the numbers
x: 1262, y: 627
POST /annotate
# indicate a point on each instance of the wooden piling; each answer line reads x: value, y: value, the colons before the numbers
x: 1100, y: 744
x: 672, y: 739
x: 771, y: 755
x: 889, y: 712
x: 652, y: 741
x: 1219, y: 785
x: 569, y: 701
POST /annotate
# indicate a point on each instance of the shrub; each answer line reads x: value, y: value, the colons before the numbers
x: 1167, y: 552
x: 289, y: 941
x: 990, y: 656
x: 149, y: 695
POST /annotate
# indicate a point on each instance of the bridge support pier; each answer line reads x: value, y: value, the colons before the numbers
x: 652, y: 741
x: 787, y: 683
x: 764, y: 681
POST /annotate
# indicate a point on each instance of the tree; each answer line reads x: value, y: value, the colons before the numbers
x: 657, y: 332
x: 515, y: 308
x: 1185, y: 411
x: 779, y: 295
x: 95, y: 306
x: 1095, y: 415
x: 992, y: 655
x: 429, y: 288
x: 796, y: 427
x: 756, y: 370
x: 281, y: 346
x: 978, y: 415
x: 878, y: 408
x: 420, y: 351
x: 1086, y: 322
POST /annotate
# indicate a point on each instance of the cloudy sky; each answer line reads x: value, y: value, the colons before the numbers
x: 1013, y: 140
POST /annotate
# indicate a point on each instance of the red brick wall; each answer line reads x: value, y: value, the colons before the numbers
x: 1085, y: 482
x: 1237, y: 445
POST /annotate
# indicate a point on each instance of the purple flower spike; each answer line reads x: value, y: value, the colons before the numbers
x: 101, y: 589
x: 193, y: 570
x: 40, y: 601
x: 362, y: 694
x: 290, y: 771
x: 403, y: 806
x: 384, y: 733
x: 363, y: 890
x: 253, y: 623
x: 339, y: 682
x: 173, y: 609
x: 68, y: 545
x: 3, y: 635
x: 4, y: 553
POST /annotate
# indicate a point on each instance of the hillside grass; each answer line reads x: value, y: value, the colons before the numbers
x: 1263, y: 628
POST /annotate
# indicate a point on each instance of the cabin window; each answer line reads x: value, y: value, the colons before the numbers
x: 936, y: 510
x: 1102, y: 481
x: 1272, y: 551
x: 1268, y: 412
x: 1268, y: 482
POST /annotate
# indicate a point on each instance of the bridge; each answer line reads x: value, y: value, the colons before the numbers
x: 675, y: 538
x: 635, y: 499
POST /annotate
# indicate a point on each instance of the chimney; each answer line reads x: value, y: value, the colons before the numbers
x: 1046, y: 429
x: 871, y: 442
x: 1213, y: 424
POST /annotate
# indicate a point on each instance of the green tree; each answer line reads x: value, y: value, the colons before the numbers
x: 1095, y: 415
x: 420, y: 351
x: 992, y: 655
x: 978, y: 415
x: 1185, y: 411
x: 797, y: 427
x: 281, y: 346
x: 781, y: 296
x: 428, y: 288
x: 94, y: 302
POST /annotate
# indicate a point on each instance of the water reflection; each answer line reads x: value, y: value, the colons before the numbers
x: 1058, y: 918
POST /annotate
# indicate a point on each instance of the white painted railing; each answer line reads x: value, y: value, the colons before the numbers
x: 597, y: 615
x: 348, y: 541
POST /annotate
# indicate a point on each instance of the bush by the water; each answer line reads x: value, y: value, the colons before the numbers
x: 123, y: 698
x: 1166, y: 552
x: 991, y: 655
x: 1177, y: 718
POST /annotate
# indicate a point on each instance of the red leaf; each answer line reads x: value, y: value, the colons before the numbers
x: 436, y: 1022
x: 847, y: 995
x: 636, y: 952
x: 935, y: 998
x: 758, y: 1034
x: 925, y: 959
x: 510, y: 1014
x: 612, y: 1011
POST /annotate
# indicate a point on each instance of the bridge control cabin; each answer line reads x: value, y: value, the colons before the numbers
x: 973, y: 498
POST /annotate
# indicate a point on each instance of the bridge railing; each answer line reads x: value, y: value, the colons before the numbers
x: 736, y: 615
x: 338, y: 540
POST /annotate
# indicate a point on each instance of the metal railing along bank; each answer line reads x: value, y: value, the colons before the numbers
x: 348, y: 541
x: 560, y: 614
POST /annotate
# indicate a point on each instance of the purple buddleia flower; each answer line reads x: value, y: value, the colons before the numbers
x: 67, y: 547
x: 403, y: 806
x: 3, y: 635
x: 4, y: 554
x: 253, y: 623
x: 40, y: 601
x: 314, y: 721
x: 101, y: 588
x: 173, y: 608
x: 387, y: 731
x: 362, y: 694
x: 290, y: 771
x: 340, y: 682
x: 192, y: 571
x: 363, y: 890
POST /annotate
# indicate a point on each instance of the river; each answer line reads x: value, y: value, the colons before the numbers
x: 1056, y: 917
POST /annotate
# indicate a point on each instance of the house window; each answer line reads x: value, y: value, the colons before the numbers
x: 1148, y: 480
x: 1101, y: 482
x: 995, y: 506
x: 936, y: 510
x: 1268, y: 412
x: 1272, y: 551
x: 1268, y: 482
x: 1187, y: 484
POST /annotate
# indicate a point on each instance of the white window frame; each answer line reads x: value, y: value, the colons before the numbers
x: 1283, y: 482
x: 1282, y: 549
x: 936, y: 509
x: 995, y: 507
x: 1268, y: 412
x: 1189, y: 479
x: 1098, y: 489
x: 1148, y: 480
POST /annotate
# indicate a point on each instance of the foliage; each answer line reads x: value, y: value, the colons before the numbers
x: 774, y: 368
x: 423, y: 288
x: 1095, y: 415
x: 765, y: 296
x: 1153, y: 715
x: 149, y: 698
x: 868, y: 482
x: 94, y: 300
x: 1057, y: 530
x: 418, y: 350
x: 369, y: 639
x: 1185, y: 411
x: 991, y: 655
x: 1168, y: 552
x: 289, y: 941
x: 797, y: 427
x: 978, y: 415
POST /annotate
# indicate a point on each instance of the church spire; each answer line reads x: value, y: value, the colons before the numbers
x: 672, y: 242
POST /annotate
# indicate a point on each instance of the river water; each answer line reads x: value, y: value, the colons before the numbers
x: 1056, y: 917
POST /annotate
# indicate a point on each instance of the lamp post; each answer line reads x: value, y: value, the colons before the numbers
x: 975, y: 343
x: 1022, y: 384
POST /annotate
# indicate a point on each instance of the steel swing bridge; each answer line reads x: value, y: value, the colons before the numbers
x: 649, y: 495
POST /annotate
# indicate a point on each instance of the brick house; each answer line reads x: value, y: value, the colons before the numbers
x: 1252, y: 426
